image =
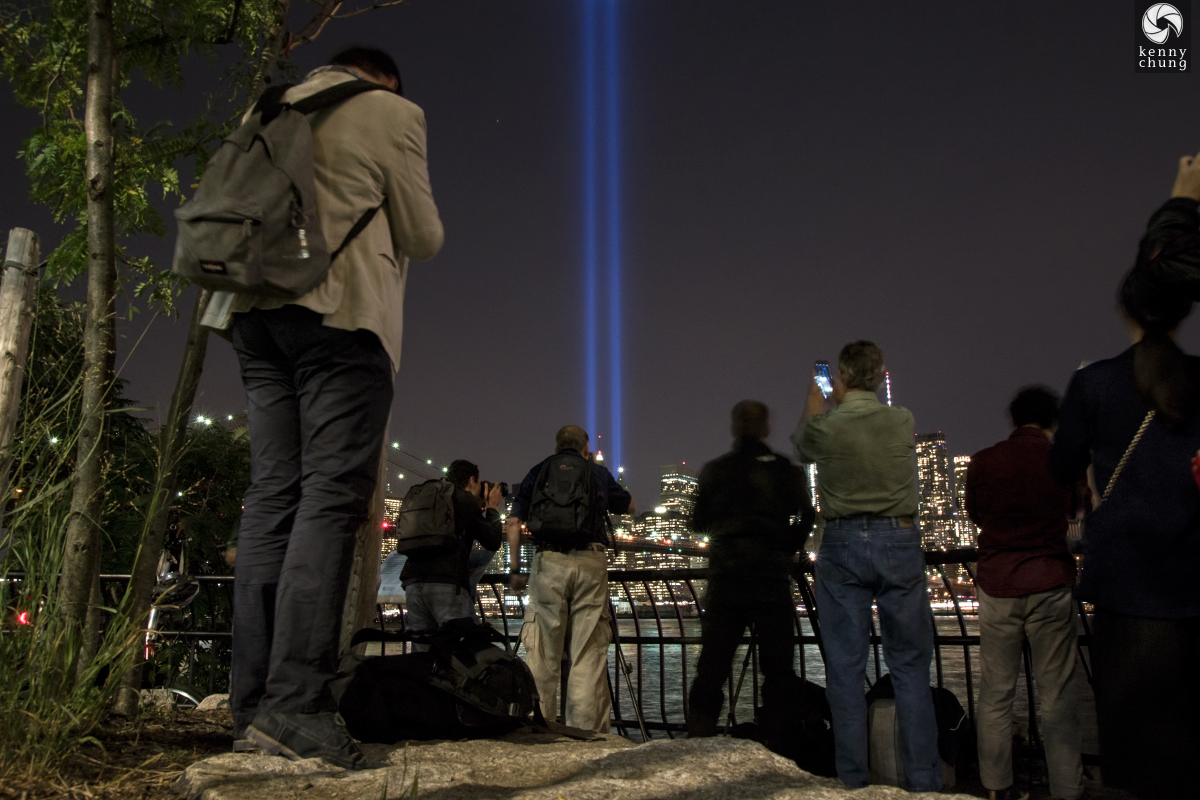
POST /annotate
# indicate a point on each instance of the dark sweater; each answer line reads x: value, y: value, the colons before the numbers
x: 745, y: 503
x: 1143, y: 544
x: 472, y: 525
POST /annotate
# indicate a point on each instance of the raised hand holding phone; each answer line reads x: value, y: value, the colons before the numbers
x: 815, y: 402
x: 822, y: 377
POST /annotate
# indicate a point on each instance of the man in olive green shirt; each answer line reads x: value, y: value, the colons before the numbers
x: 870, y: 553
x: 864, y: 451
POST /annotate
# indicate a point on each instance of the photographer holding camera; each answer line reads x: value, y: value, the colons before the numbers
x: 438, y: 585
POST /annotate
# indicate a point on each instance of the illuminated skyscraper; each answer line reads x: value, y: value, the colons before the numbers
x: 391, y: 512
x: 678, y: 489
x: 934, y: 492
x: 966, y: 531
x: 810, y: 471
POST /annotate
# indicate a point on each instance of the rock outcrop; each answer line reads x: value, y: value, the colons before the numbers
x: 528, y: 766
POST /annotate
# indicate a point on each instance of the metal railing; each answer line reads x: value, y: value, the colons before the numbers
x: 656, y: 624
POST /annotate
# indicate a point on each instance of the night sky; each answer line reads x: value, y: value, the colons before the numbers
x: 963, y: 183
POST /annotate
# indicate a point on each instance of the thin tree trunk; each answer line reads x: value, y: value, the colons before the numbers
x: 271, y: 51
x: 170, y: 443
x: 81, y: 560
x: 363, y: 592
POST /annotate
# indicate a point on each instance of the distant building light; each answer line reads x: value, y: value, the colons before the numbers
x: 660, y: 509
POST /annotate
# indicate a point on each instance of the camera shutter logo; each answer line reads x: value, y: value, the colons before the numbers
x: 1160, y: 20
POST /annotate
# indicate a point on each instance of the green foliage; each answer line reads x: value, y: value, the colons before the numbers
x: 43, y: 56
x: 47, y: 704
x: 212, y: 477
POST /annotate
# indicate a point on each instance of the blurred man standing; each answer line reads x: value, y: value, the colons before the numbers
x: 745, y: 504
x: 870, y: 553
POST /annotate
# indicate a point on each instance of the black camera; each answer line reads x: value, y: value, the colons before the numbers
x: 487, y: 488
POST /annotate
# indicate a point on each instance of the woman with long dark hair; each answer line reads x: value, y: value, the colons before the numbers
x: 1135, y: 420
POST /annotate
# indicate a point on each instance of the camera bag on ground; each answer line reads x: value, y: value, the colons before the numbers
x: 883, y: 733
x: 425, y: 526
x: 252, y: 226
x: 463, y: 687
x: 795, y: 722
x: 562, y: 508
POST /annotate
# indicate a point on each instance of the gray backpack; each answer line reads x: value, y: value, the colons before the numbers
x: 426, y: 523
x: 253, y: 226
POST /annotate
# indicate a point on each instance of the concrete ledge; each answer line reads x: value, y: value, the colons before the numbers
x: 527, y: 766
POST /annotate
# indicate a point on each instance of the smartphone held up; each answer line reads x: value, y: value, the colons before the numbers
x: 823, y: 378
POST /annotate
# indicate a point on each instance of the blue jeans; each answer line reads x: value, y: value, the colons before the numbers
x: 431, y: 605
x: 875, y: 558
x: 477, y: 566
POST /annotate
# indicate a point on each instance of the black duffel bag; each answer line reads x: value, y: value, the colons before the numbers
x: 463, y: 687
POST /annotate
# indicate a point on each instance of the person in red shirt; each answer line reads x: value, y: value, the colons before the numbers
x: 1024, y: 583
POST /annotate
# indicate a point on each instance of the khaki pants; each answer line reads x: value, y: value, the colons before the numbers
x: 1048, y: 619
x: 568, y: 609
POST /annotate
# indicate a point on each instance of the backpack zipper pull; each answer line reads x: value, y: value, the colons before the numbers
x: 247, y: 228
x: 304, y: 252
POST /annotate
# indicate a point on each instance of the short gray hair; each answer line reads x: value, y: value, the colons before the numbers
x: 861, y: 364
x: 571, y: 437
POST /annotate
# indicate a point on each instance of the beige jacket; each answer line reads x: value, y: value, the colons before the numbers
x: 366, y: 149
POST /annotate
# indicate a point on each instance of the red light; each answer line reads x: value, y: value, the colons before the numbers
x: 385, y: 524
x: 22, y: 617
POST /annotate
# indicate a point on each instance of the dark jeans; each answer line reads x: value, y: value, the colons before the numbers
x: 865, y: 559
x: 318, y: 400
x: 730, y: 605
x: 1147, y: 703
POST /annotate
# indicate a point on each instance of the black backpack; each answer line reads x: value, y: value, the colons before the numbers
x: 426, y: 526
x: 794, y: 721
x: 463, y: 687
x: 564, y: 508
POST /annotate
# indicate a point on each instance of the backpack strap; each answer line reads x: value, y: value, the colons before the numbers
x: 331, y: 97
x: 270, y: 103
x: 359, y: 226
x: 335, y: 94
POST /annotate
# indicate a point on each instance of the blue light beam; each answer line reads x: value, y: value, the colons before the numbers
x: 614, y: 231
x: 589, y: 212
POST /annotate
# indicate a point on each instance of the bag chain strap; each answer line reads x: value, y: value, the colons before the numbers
x: 1137, y: 437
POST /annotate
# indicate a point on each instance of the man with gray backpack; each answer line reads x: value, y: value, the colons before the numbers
x: 302, y: 226
x: 439, y: 521
x: 564, y: 502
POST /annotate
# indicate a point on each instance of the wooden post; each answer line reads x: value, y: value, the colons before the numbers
x: 17, y: 289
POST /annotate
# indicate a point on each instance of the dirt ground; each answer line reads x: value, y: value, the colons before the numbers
x: 142, y: 760
x: 138, y: 761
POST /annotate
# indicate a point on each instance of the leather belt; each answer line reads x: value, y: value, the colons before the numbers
x: 594, y: 547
